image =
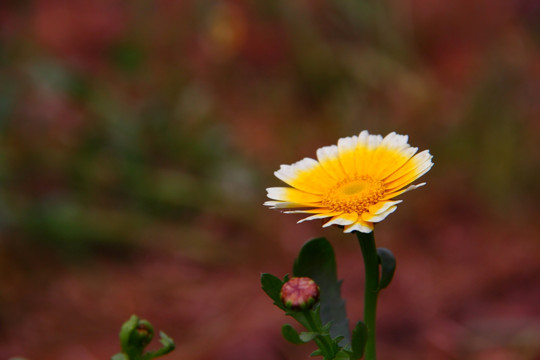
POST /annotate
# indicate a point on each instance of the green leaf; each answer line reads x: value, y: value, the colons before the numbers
x: 272, y: 287
x: 308, y: 336
x: 115, y: 357
x: 290, y: 334
x: 135, y: 335
x: 342, y: 355
x: 388, y: 266
x: 317, y: 261
x: 338, y: 339
x: 359, y: 340
x: 168, y: 346
x: 167, y: 342
x: 317, y: 352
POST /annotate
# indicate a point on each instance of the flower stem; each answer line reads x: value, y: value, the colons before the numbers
x: 371, y: 265
x: 320, y: 340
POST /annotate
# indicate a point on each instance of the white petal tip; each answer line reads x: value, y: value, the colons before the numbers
x: 358, y: 227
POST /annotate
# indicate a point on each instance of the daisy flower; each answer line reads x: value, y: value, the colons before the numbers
x: 353, y: 183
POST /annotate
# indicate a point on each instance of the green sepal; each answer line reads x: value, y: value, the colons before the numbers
x: 316, y: 260
x: 290, y: 334
x: 388, y: 267
x: 359, y: 340
x: 302, y: 317
x: 272, y: 287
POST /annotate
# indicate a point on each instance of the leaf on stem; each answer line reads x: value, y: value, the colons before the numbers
x: 342, y: 355
x: 359, y: 340
x: 135, y: 335
x: 316, y: 260
x: 317, y: 352
x: 308, y: 336
x: 272, y: 287
x: 388, y: 266
x: 290, y: 334
x: 168, y: 346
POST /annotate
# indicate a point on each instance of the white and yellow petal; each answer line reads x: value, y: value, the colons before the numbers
x: 342, y: 220
x: 359, y: 225
x: 292, y: 195
x: 353, y: 183
x: 306, y: 175
x: 328, y: 157
x: 346, y: 151
x: 417, y: 166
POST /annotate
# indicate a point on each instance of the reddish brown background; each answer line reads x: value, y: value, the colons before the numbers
x: 137, y: 138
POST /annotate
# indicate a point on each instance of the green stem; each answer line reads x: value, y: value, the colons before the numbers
x: 321, y: 341
x: 371, y: 265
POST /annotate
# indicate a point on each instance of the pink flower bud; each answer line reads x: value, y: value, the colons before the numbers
x: 299, y: 293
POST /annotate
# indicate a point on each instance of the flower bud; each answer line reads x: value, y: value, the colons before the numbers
x: 299, y: 293
x: 135, y: 335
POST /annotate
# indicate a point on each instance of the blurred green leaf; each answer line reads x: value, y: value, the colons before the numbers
x: 388, y: 267
x: 342, y: 355
x: 168, y: 346
x: 272, y: 287
x: 317, y: 352
x: 127, y: 56
x: 135, y: 335
x: 316, y: 260
x: 308, y: 336
x: 359, y: 340
x: 120, y: 357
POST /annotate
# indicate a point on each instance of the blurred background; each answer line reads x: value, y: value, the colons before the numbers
x: 137, y: 139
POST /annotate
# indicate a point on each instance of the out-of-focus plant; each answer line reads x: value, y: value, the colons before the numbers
x: 135, y: 336
x: 353, y: 184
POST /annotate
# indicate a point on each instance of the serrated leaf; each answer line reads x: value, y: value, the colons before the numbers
x: 317, y: 261
x: 388, y: 267
x: 308, y: 336
x: 290, y: 334
x: 272, y: 287
x: 359, y: 340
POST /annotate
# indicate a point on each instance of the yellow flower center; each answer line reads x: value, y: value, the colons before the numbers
x: 354, y: 196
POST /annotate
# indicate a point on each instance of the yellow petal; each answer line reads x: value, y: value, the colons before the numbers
x: 379, y: 217
x: 382, y: 207
x: 306, y: 175
x: 359, y: 225
x: 346, y: 149
x: 393, y: 194
x: 367, y: 145
x: 410, y: 171
x: 283, y: 205
x: 342, y: 219
x: 323, y: 215
x: 292, y: 195
x: 328, y: 157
